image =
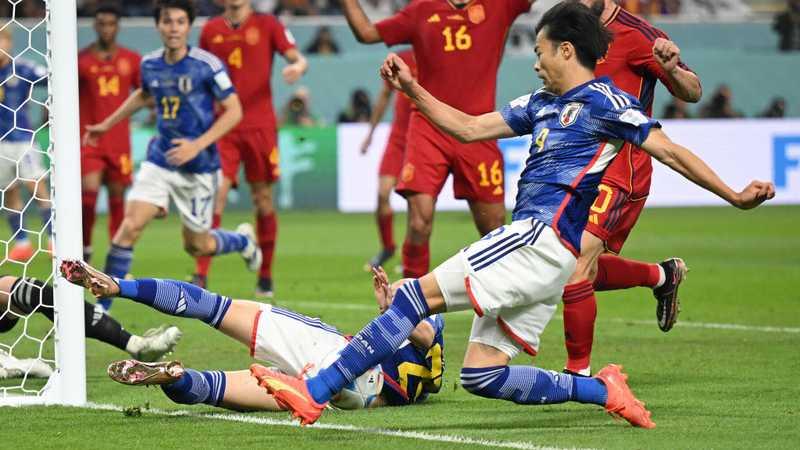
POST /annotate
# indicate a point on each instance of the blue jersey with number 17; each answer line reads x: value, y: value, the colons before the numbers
x: 575, y: 136
x: 184, y: 94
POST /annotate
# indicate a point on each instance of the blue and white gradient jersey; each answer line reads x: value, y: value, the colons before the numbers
x: 18, y: 79
x: 411, y: 374
x: 575, y: 137
x: 184, y: 94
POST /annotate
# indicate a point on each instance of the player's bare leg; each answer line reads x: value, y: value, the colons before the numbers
x: 416, y: 251
x: 116, y: 206
x: 203, y: 263
x: 384, y: 216
x: 90, y: 186
x: 487, y: 216
x: 267, y: 232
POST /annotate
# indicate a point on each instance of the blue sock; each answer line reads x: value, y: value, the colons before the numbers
x: 528, y: 385
x: 118, y: 264
x: 44, y: 213
x: 379, y: 339
x: 177, y: 298
x: 197, y: 387
x: 228, y: 241
x: 15, y: 223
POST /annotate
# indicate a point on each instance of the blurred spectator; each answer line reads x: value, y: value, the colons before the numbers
x: 721, y: 105
x: 787, y: 25
x: 776, y: 108
x: 297, y: 111
x: 296, y: 8
x: 676, y: 109
x: 359, y: 110
x: 323, y: 43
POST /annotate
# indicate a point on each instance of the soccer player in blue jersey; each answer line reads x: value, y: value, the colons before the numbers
x: 182, y: 160
x: 20, y: 156
x: 513, y: 278
x: 294, y: 343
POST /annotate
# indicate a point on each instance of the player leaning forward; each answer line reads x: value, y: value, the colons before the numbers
x: 182, y: 159
x: 513, y: 278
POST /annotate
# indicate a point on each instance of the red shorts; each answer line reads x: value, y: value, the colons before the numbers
x: 431, y: 155
x: 257, y: 148
x: 392, y: 160
x: 613, y: 215
x: 116, y: 166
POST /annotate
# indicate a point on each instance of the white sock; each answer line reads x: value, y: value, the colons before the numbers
x: 134, y: 345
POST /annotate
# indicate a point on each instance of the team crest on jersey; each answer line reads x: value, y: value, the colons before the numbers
x: 218, y: 39
x: 252, y: 36
x: 124, y: 67
x: 184, y: 84
x: 476, y: 14
x: 569, y: 114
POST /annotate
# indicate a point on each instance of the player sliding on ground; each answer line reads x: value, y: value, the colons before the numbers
x: 23, y: 296
x: 513, y: 278
x: 182, y: 160
x: 296, y: 344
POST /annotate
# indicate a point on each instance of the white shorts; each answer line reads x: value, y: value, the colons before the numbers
x: 291, y: 341
x: 513, y: 278
x: 20, y: 161
x: 192, y: 193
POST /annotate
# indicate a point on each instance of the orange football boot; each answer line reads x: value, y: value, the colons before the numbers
x: 621, y: 402
x: 289, y: 392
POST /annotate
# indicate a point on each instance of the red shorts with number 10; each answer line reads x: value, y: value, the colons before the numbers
x: 431, y: 155
x: 116, y: 165
x: 257, y: 148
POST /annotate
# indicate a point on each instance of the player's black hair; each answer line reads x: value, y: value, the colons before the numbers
x: 186, y: 5
x: 108, y: 8
x: 575, y: 23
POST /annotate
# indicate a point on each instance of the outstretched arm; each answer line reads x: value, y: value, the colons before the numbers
x: 138, y: 99
x: 297, y: 66
x: 686, y: 163
x: 462, y: 126
x: 363, y: 28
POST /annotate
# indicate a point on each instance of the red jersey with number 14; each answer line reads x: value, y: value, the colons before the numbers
x: 632, y: 67
x: 458, y: 50
x: 248, y: 50
x: 104, y: 84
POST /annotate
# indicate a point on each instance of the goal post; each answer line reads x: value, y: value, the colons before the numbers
x: 62, y: 46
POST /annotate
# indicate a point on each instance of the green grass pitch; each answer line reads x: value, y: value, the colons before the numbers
x: 707, y: 387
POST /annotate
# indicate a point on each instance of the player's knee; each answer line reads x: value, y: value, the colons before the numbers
x: 193, y: 248
x: 483, y: 381
x: 420, y: 225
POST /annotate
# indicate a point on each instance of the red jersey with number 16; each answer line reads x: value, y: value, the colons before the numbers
x: 104, y: 84
x: 248, y: 50
x: 632, y: 67
x: 458, y: 50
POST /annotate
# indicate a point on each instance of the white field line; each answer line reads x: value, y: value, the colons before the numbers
x: 241, y: 418
x: 366, y: 306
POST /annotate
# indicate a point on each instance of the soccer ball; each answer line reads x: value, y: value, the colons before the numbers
x: 360, y: 393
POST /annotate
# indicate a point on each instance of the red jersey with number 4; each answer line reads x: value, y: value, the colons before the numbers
x: 632, y: 67
x: 458, y: 50
x: 248, y: 50
x: 402, y: 105
x: 104, y: 84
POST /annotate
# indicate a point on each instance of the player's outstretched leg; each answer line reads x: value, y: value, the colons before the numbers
x: 28, y: 295
x: 533, y: 386
x: 176, y: 298
x: 242, y: 241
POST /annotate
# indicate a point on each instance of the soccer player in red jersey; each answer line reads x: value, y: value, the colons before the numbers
x: 458, y: 45
x: 392, y: 160
x: 247, y: 41
x: 107, y: 73
x: 639, y: 56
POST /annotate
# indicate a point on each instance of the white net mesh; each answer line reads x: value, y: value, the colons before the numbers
x: 26, y: 334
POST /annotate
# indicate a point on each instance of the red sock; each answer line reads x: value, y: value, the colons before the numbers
x: 615, y: 272
x: 416, y: 259
x: 580, y: 311
x: 385, y: 230
x: 267, y: 231
x: 88, y: 205
x: 202, y: 264
x: 116, y: 212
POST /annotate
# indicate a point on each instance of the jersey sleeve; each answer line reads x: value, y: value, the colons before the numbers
x: 517, y: 116
x: 642, y: 61
x: 219, y: 81
x: 282, y: 39
x: 619, y: 116
x: 399, y: 28
x: 142, y: 81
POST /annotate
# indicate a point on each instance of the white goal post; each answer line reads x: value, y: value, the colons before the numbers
x: 67, y: 384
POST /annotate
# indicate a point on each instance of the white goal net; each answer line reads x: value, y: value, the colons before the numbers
x: 41, y: 344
